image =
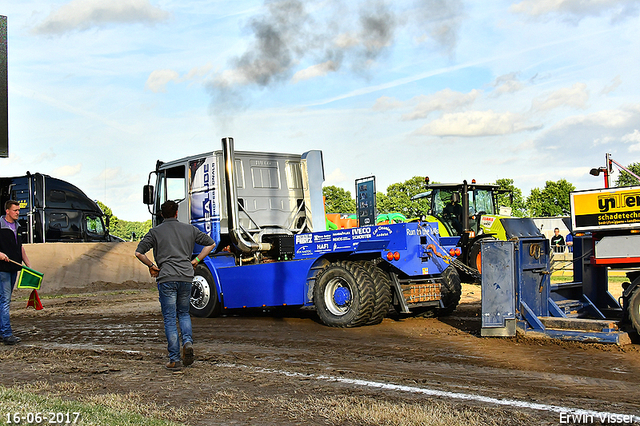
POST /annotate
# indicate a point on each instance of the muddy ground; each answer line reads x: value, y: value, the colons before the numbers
x: 286, y: 368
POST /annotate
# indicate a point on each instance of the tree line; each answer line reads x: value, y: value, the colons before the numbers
x: 127, y: 230
x: 552, y: 200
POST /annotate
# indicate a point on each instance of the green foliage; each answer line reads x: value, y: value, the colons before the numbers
x: 625, y: 179
x: 130, y: 230
x: 16, y: 402
x: 398, y: 198
x: 513, y: 199
x: 553, y: 200
x: 338, y: 200
x: 125, y: 229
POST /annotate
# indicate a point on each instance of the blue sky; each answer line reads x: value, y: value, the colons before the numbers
x: 531, y: 90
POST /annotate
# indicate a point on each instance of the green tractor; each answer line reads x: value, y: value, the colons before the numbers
x: 466, y: 214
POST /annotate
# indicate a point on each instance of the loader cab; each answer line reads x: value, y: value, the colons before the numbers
x: 460, y: 207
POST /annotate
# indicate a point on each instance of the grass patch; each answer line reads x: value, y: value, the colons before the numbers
x: 365, y: 411
x: 95, y: 411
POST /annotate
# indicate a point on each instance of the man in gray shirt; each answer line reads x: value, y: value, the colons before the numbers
x: 173, y: 243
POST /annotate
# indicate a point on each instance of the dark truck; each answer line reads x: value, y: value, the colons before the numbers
x: 52, y: 210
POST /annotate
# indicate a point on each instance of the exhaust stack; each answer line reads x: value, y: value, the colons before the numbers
x: 233, y: 220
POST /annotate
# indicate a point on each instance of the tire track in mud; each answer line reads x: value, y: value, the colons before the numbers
x: 416, y: 353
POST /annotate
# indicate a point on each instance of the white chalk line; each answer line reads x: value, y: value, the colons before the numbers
x: 433, y: 392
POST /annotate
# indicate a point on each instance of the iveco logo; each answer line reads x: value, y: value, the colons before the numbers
x: 264, y: 163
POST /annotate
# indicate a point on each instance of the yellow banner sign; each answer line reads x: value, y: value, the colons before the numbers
x: 605, y: 208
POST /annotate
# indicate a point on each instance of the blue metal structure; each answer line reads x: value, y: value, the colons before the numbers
x: 289, y: 282
x: 517, y: 294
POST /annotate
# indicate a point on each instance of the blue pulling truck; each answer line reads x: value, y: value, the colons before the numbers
x: 273, y: 249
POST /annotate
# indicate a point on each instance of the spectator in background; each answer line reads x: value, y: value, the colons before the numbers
x: 557, y: 241
x: 569, y: 241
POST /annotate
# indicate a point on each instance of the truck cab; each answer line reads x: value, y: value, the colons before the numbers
x: 53, y: 210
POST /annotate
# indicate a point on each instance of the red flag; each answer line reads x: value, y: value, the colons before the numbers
x: 34, y: 300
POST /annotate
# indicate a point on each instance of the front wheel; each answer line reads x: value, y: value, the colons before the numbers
x: 343, y: 295
x: 204, y: 297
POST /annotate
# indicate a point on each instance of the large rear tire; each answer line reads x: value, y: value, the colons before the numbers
x: 475, y: 256
x: 382, y: 292
x: 204, y: 296
x: 450, y: 290
x: 634, y: 309
x: 343, y: 295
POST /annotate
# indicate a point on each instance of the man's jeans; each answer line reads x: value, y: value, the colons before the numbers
x: 7, y: 280
x: 174, y: 300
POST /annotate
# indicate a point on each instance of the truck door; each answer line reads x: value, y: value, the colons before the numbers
x: 172, y: 185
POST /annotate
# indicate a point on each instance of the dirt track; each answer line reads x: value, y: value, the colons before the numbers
x: 282, y: 369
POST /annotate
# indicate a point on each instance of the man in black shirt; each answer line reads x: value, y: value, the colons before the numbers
x: 172, y: 243
x: 557, y: 241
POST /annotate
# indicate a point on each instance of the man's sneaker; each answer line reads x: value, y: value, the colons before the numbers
x: 187, y: 354
x: 174, y: 365
x: 11, y: 340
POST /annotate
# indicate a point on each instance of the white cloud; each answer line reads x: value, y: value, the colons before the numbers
x: 576, y: 97
x: 579, y: 134
x: 158, y: 80
x: 507, y: 83
x: 606, y: 119
x: 634, y: 139
x: 67, y: 171
x: 478, y: 123
x: 44, y: 156
x: 335, y: 177
x: 319, y: 70
x: 444, y: 100
x: 386, y: 103
x: 604, y: 141
x: 198, y: 72
x: 575, y: 10
x: 84, y: 14
x: 611, y: 87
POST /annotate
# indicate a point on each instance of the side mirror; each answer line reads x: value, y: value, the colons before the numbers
x: 147, y: 194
